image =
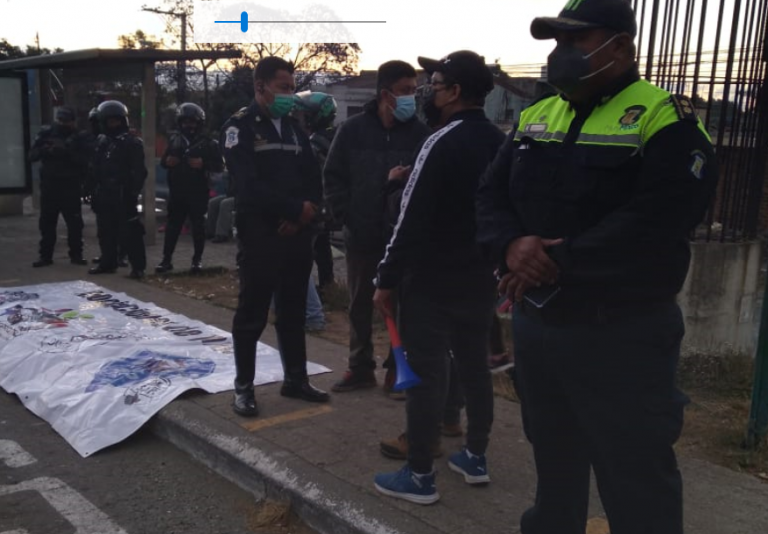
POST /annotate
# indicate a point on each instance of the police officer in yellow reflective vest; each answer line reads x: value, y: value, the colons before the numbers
x: 588, y: 208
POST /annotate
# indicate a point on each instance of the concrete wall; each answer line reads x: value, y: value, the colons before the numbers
x: 721, y: 298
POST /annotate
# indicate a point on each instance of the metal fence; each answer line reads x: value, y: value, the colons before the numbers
x: 715, y: 51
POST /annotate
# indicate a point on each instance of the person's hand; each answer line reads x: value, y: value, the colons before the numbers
x: 171, y: 161
x: 287, y: 229
x: 308, y: 212
x: 513, y: 287
x: 195, y: 163
x: 527, y: 259
x: 399, y: 173
x: 382, y: 301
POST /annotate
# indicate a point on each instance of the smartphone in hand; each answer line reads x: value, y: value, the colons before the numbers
x: 541, y: 296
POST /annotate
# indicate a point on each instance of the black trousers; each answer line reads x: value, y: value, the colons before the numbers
x: 324, y: 258
x: 271, y: 265
x: 599, y: 391
x: 181, y: 207
x: 67, y: 203
x: 438, y: 316
x: 361, y: 270
x: 121, y: 230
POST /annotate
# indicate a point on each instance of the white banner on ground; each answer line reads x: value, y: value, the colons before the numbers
x: 97, y: 364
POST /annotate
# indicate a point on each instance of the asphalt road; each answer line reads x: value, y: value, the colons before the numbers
x: 141, y: 486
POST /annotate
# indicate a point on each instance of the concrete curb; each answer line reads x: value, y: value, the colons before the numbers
x: 326, y: 503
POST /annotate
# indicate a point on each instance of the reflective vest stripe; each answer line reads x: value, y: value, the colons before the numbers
x: 277, y: 146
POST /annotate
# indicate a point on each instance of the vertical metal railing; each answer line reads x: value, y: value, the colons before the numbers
x: 712, y: 51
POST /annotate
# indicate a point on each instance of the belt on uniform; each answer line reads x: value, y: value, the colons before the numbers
x: 589, y: 312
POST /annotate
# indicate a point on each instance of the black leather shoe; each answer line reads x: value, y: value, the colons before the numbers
x: 122, y: 262
x: 197, y: 267
x: 303, y: 390
x: 78, y: 260
x: 164, y: 267
x: 42, y: 262
x: 245, y: 403
x: 136, y: 274
x: 101, y: 270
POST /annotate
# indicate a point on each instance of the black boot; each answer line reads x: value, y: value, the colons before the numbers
x: 302, y: 389
x: 164, y: 267
x: 101, y: 270
x: 43, y: 262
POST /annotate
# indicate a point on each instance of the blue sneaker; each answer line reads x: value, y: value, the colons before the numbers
x: 407, y: 485
x: 473, y: 467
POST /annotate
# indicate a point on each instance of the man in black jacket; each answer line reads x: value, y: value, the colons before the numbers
x: 446, y: 284
x: 363, y: 151
x: 277, y: 190
x: 64, y: 155
x: 190, y: 156
x: 119, y: 172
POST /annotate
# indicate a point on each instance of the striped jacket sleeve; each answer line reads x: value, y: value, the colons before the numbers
x: 417, y: 210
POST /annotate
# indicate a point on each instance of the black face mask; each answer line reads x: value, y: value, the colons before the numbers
x: 568, y: 67
x: 117, y: 130
x: 431, y: 112
x: 189, y: 132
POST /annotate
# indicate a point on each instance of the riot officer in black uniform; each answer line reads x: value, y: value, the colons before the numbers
x: 119, y: 173
x: 93, y: 138
x: 190, y: 156
x: 64, y: 156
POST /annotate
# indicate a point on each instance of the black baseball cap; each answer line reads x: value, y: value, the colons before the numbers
x: 578, y: 15
x: 464, y: 67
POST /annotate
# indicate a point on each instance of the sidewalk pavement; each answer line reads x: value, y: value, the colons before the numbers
x: 323, y: 457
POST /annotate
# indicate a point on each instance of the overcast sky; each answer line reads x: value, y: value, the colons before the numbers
x: 97, y: 24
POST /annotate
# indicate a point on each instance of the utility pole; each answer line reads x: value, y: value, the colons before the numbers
x: 181, y: 66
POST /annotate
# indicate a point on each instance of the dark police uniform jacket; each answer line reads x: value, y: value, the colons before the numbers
x: 273, y: 174
x: 185, y: 183
x: 118, y: 173
x: 65, y: 158
x: 624, y: 180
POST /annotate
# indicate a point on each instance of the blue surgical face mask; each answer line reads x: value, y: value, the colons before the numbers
x: 405, y: 108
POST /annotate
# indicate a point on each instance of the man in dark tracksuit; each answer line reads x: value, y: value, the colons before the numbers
x: 593, y: 200
x: 119, y: 172
x: 278, y: 188
x: 365, y: 148
x: 64, y: 155
x: 447, y: 288
x: 190, y: 156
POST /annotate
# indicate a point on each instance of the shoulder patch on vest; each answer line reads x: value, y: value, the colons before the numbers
x: 698, y: 162
x: 685, y: 109
x: 631, y: 117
